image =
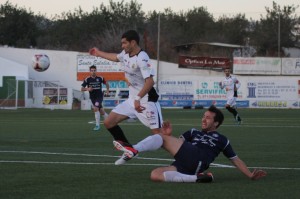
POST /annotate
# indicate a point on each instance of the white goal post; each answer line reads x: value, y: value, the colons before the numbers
x: 36, y: 94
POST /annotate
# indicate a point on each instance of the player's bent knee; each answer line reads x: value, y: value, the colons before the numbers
x: 107, y: 124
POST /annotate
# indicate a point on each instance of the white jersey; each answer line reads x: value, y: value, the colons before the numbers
x: 229, y: 83
x: 137, y: 68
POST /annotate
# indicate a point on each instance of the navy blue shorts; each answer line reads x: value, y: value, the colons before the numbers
x: 190, y: 159
x: 97, y: 102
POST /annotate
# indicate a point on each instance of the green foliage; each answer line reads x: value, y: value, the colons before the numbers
x: 18, y: 26
x: 278, y: 24
x: 199, y: 24
x: 233, y: 30
x: 78, y: 30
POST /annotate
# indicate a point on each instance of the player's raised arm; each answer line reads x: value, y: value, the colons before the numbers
x: 98, y: 53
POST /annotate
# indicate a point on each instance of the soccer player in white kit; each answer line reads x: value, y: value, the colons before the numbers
x: 231, y: 85
x: 142, y: 102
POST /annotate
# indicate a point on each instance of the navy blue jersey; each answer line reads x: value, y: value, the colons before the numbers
x: 96, y: 84
x: 209, y: 143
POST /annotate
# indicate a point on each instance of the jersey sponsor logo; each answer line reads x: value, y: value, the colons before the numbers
x: 150, y: 115
x: 205, y: 139
x: 154, y: 123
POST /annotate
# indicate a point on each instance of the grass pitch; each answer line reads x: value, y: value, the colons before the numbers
x: 55, y: 154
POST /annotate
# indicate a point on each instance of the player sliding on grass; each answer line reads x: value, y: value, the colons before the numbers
x: 193, y: 151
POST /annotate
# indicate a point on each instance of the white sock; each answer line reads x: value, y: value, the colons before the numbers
x: 97, y: 118
x: 175, y: 176
x: 150, y: 143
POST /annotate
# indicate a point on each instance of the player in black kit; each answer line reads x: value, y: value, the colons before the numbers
x: 193, y: 151
x: 93, y: 84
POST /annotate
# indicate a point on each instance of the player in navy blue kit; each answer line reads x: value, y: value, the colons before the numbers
x: 193, y: 151
x: 93, y: 84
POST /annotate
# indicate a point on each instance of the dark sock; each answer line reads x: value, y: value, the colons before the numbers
x: 234, y: 112
x: 235, y: 94
x: 118, y: 134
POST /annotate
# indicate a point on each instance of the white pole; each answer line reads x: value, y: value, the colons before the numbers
x: 58, y: 96
x: 17, y: 91
x: 158, y: 42
x: 279, y: 35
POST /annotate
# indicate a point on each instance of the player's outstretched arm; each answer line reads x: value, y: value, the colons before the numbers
x: 240, y: 165
x: 257, y: 174
x: 109, y: 56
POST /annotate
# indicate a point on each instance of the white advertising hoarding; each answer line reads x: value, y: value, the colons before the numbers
x: 260, y: 92
x: 290, y: 66
x: 179, y: 89
x: 273, y: 92
x: 105, y: 68
x: 257, y: 66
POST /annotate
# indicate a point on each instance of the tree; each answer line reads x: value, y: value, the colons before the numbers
x: 199, y: 26
x: 232, y: 30
x: 18, y: 26
x: 79, y: 30
x: 102, y: 27
x: 119, y: 17
x: 178, y: 28
x: 276, y: 30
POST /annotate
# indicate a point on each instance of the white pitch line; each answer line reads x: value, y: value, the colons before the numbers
x: 242, y: 125
x: 79, y: 154
x: 110, y: 156
x: 72, y: 163
x: 54, y: 153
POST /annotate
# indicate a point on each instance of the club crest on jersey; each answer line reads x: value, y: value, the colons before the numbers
x: 133, y: 66
x: 215, y: 135
x: 150, y: 114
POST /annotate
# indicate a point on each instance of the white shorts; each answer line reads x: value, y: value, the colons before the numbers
x: 150, y: 117
x: 231, y: 101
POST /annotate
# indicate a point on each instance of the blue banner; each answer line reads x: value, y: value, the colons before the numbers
x: 184, y: 103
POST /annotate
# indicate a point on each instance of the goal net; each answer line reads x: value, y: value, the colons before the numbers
x: 33, y: 94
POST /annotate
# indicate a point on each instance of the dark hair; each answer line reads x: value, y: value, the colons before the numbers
x: 93, y: 66
x: 131, y: 35
x: 219, y: 117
